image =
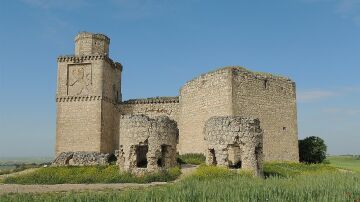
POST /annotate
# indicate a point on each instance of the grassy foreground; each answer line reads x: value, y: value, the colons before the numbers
x: 345, y: 162
x: 220, y: 184
x: 89, y: 174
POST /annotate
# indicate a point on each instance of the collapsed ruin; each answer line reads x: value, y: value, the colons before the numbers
x: 235, y: 142
x: 147, y: 144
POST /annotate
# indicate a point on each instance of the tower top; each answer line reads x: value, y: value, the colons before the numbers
x: 87, y: 43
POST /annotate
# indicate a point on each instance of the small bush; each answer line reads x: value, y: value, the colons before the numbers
x: 191, y: 158
x: 312, y: 150
x: 90, y: 174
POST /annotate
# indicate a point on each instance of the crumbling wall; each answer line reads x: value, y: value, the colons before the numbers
x: 152, y: 107
x: 234, y: 142
x: 81, y: 159
x: 147, y: 144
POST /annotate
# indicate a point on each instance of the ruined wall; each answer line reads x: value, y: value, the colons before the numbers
x: 272, y: 99
x: 147, y: 144
x: 152, y: 107
x: 81, y: 159
x: 234, y: 140
x: 205, y: 96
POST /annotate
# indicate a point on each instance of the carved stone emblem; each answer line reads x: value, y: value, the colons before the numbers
x: 80, y: 80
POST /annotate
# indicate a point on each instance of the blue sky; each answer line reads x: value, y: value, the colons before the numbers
x: 164, y: 43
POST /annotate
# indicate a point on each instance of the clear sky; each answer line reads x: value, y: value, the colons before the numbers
x: 164, y: 43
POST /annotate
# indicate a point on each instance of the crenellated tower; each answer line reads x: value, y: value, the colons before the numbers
x: 88, y: 90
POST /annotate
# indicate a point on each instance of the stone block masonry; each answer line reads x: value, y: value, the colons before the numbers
x: 90, y: 108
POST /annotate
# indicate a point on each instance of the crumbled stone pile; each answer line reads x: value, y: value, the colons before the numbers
x: 147, y: 144
x: 81, y: 159
x: 235, y: 142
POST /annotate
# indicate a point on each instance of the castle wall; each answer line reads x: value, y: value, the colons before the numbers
x: 272, y: 99
x: 206, y: 96
x: 78, y: 125
x: 86, y: 103
x: 152, y: 107
x: 109, y: 110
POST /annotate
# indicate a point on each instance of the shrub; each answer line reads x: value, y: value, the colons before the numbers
x: 312, y: 150
x: 90, y: 174
x: 191, y: 158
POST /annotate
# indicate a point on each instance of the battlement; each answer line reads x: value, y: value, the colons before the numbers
x: 153, y: 100
x: 84, y: 58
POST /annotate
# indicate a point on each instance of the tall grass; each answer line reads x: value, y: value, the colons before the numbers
x: 219, y: 184
x: 89, y: 174
x: 283, y: 169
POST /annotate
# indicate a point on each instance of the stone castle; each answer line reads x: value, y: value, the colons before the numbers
x: 92, y: 117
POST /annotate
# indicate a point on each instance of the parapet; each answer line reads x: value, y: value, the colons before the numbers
x: 153, y: 100
x: 87, y: 43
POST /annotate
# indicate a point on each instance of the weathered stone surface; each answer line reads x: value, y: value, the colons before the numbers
x: 234, y: 141
x: 147, y: 144
x: 81, y: 159
x: 89, y: 104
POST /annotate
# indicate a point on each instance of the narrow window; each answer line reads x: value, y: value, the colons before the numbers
x: 266, y: 83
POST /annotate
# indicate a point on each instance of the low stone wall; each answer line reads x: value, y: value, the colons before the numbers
x: 147, y: 144
x: 235, y: 142
x: 81, y: 159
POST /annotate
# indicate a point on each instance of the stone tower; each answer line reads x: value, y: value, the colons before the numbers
x: 88, y: 90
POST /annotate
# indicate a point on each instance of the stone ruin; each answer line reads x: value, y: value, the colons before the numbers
x: 235, y: 142
x: 147, y: 144
x: 81, y: 159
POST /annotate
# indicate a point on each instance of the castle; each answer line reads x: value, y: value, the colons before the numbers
x: 90, y: 106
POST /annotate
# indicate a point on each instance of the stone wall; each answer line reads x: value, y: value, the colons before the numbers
x: 235, y: 142
x: 81, y: 159
x: 147, y: 144
x: 89, y: 43
x: 152, y: 107
x: 272, y: 99
x: 88, y: 90
x: 206, y: 96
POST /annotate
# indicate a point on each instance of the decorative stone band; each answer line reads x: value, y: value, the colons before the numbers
x: 156, y: 100
x: 83, y: 58
x: 84, y: 98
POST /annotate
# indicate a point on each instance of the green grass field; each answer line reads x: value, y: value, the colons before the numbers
x: 89, y: 174
x: 283, y: 182
x: 345, y: 162
x: 220, y: 184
